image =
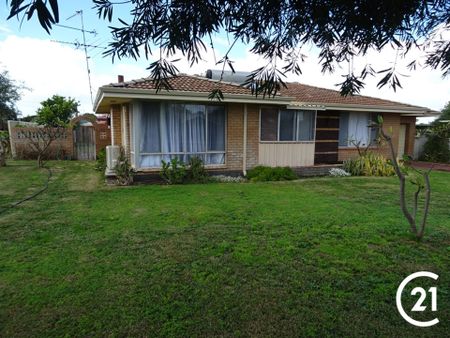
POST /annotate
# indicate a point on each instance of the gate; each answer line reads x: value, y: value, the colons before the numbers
x: 84, y: 142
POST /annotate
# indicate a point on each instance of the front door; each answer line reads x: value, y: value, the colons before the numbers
x: 401, y: 141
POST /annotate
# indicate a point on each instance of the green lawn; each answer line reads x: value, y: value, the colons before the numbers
x: 315, y: 257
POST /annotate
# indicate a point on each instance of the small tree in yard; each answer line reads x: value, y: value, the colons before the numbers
x: 420, y: 179
x: 53, y: 118
x: 4, y: 147
x: 436, y: 148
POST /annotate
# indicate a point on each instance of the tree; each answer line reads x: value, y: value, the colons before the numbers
x: 436, y: 148
x: 445, y: 113
x: 56, y: 111
x: 53, y: 118
x: 29, y: 118
x: 276, y: 30
x: 4, y: 147
x: 9, y: 95
x: 420, y: 179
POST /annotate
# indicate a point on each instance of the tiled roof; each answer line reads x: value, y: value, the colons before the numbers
x: 188, y: 83
x: 299, y: 92
x: 310, y: 94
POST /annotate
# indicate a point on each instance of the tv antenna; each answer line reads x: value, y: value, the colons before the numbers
x: 84, y: 45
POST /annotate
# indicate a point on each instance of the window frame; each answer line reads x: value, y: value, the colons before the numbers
x: 313, y: 140
x: 184, y: 152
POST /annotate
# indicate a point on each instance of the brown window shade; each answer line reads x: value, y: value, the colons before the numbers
x: 269, y: 124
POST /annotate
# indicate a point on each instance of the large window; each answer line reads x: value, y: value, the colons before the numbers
x: 287, y: 125
x: 354, y: 127
x: 173, y: 130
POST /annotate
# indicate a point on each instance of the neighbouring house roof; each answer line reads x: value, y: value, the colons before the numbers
x: 197, y: 88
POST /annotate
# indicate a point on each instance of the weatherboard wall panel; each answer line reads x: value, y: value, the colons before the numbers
x: 286, y: 154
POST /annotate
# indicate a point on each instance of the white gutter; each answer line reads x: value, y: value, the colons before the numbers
x: 244, y: 155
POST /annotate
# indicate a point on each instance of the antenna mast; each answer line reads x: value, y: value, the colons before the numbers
x: 83, y: 31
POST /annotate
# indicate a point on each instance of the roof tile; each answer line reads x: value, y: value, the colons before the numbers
x: 300, y: 92
x: 310, y: 94
x: 188, y: 83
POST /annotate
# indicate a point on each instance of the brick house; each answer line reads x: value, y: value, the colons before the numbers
x: 303, y: 126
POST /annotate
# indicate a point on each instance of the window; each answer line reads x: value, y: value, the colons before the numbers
x: 287, y: 125
x: 172, y: 130
x: 355, y: 127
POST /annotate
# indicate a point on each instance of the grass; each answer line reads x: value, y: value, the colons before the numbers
x: 314, y: 257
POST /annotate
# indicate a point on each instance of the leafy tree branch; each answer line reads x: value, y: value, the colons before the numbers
x: 275, y: 30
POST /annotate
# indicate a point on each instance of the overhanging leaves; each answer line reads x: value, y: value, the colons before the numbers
x: 275, y: 30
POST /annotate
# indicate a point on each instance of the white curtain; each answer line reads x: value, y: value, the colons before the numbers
x: 358, y: 129
x: 195, y: 130
x: 172, y: 128
x: 149, y: 121
x: 169, y: 130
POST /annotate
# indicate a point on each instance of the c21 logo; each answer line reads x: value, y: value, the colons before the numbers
x: 418, y: 306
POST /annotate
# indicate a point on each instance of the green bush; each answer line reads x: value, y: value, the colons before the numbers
x: 370, y: 164
x: 197, y: 172
x: 436, y: 149
x: 174, y: 171
x: 263, y: 174
x: 124, y: 171
x: 100, y: 164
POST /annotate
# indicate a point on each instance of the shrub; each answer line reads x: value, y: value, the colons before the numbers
x: 4, y: 147
x: 174, y: 171
x: 197, y: 172
x: 370, y: 164
x: 263, y: 173
x: 436, y: 149
x: 338, y: 172
x: 100, y: 164
x: 124, y: 171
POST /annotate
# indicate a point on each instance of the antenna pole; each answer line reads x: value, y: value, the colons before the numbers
x: 80, y: 12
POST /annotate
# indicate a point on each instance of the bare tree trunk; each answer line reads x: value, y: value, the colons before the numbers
x: 412, y: 220
x: 43, y: 140
x: 427, y: 203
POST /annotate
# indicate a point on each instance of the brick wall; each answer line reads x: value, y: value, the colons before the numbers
x: 392, y: 126
x: 102, y: 137
x: 116, y: 125
x: 235, y: 136
x: 252, y: 135
x: 61, y: 148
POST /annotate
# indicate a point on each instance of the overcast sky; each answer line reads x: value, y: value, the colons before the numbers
x: 48, y: 67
